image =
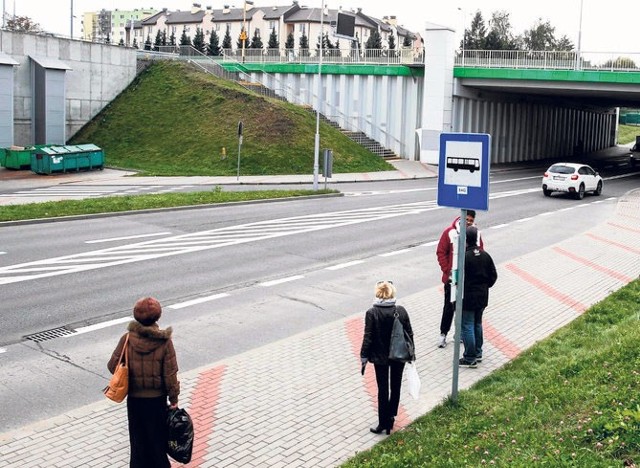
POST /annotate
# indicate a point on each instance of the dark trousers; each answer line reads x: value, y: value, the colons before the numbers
x: 148, y: 432
x: 389, y: 380
x: 447, y: 310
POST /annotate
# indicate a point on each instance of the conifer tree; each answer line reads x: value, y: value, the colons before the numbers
x: 158, y: 41
x: 226, y: 41
x: 273, y: 45
x: 184, y: 39
x: 214, y: 44
x: 304, y: 45
x: 172, y: 39
x: 256, y: 41
x: 291, y: 42
x: 198, y: 41
x: 134, y: 44
x: 147, y: 43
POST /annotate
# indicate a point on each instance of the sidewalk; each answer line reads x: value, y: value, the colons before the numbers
x: 253, y: 411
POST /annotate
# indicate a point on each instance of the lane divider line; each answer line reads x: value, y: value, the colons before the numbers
x: 99, y: 326
x: 340, y: 266
x: 266, y: 284
x: 395, y: 252
x: 200, y: 300
x: 547, y: 289
x: 139, y: 236
x: 614, y: 274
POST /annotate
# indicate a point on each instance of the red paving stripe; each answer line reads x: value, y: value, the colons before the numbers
x: 500, y: 341
x: 617, y: 244
x: 614, y: 274
x: 355, y: 329
x: 624, y: 227
x: 203, y: 411
x: 547, y: 289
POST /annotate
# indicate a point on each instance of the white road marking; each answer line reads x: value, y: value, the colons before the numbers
x: 98, y: 326
x: 395, y: 252
x: 429, y: 244
x: 266, y: 284
x: 500, y: 226
x: 340, y: 266
x: 139, y: 236
x: 200, y: 300
x: 3, y: 350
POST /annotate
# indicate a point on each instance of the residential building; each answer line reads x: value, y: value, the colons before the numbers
x: 110, y: 25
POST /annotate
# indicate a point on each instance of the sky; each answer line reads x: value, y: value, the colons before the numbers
x: 607, y: 26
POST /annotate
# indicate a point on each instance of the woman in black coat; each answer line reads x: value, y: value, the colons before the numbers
x: 375, y: 349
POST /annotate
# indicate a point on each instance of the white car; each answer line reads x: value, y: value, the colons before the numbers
x: 575, y: 179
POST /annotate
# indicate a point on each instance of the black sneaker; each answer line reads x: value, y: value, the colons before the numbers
x: 479, y: 359
x: 471, y: 364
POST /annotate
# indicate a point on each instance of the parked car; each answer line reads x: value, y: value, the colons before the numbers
x: 634, y: 156
x: 575, y: 179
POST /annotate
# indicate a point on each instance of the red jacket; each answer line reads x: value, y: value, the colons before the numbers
x: 444, y: 251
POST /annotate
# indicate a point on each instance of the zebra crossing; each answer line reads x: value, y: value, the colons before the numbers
x: 204, y: 240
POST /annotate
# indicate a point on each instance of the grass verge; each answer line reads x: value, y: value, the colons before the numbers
x: 141, y: 202
x: 572, y: 400
x: 627, y: 133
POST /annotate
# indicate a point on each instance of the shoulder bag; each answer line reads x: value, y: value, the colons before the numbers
x: 401, y: 345
x: 119, y: 384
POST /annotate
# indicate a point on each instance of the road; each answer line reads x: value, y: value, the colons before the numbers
x: 232, y: 278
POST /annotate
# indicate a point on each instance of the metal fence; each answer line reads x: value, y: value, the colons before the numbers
x: 549, y: 60
x: 402, y: 56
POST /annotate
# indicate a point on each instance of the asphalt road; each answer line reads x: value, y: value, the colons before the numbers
x: 232, y: 278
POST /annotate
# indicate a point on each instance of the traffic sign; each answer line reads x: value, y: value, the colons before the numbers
x: 463, y: 170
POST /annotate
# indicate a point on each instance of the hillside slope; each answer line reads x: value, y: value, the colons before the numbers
x: 174, y: 120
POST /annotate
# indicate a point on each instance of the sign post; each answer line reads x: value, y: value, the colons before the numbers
x: 463, y: 182
x: 240, y: 128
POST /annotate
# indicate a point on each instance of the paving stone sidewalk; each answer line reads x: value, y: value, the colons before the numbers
x: 301, y: 401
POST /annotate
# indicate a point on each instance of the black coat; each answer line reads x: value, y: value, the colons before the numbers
x: 378, y: 323
x: 479, y: 275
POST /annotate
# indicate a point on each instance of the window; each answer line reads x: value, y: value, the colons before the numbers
x: 272, y: 25
x: 302, y: 28
x: 257, y: 32
x: 217, y: 26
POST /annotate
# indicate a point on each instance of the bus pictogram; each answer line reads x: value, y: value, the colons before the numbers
x: 469, y: 164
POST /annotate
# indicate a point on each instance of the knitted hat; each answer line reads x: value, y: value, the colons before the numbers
x: 147, y: 311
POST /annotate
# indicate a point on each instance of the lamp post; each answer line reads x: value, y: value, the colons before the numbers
x: 243, y: 34
x: 70, y: 18
x: 578, y: 65
x: 316, y: 151
x: 464, y: 30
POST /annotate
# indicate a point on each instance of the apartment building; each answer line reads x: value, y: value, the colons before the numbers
x: 104, y: 25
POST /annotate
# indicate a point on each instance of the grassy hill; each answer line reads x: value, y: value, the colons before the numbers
x: 175, y: 120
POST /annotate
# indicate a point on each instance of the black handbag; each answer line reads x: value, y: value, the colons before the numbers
x: 401, y: 347
x: 180, y: 435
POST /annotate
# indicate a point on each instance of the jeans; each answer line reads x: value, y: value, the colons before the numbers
x: 472, y: 334
x: 388, y: 377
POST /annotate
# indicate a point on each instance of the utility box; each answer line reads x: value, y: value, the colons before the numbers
x: 49, y: 159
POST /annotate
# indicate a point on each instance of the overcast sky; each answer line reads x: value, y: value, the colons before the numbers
x: 607, y: 26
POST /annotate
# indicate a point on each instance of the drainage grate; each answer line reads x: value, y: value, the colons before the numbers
x: 49, y: 334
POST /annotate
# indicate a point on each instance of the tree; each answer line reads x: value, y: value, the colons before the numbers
x: 172, y: 39
x: 291, y: 42
x: 226, y: 40
x: 214, y: 44
x: 121, y: 43
x: 620, y: 63
x: 374, y: 41
x: 184, y: 39
x: 164, y: 38
x: 475, y: 36
x: 22, y: 24
x: 158, y: 42
x: 147, y: 43
x: 107, y: 40
x: 407, y: 41
x: 303, y: 44
x: 356, y: 47
x: 500, y: 36
x: 564, y: 43
x: 273, y: 42
x: 256, y: 40
x: 134, y: 44
x: 540, y: 36
x: 198, y: 41
x: 391, y: 42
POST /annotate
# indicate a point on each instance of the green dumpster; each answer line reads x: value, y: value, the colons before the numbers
x: 16, y: 158
x: 67, y: 158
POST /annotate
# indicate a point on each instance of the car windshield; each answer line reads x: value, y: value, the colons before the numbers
x: 560, y: 169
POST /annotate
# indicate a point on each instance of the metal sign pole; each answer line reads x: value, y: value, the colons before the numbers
x: 239, y: 146
x: 459, y: 281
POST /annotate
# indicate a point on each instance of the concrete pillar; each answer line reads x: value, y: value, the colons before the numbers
x: 6, y: 100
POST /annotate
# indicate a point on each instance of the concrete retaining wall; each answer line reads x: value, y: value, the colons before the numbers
x: 99, y: 72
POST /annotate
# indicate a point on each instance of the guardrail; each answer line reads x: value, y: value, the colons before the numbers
x: 402, y: 56
x: 549, y: 60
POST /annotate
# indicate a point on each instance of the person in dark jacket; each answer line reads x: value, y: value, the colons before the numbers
x: 375, y: 349
x: 153, y: 378
x: 479, y: 275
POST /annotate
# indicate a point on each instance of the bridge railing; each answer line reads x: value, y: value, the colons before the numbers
x: 402, y: 56
x: 549, y: 60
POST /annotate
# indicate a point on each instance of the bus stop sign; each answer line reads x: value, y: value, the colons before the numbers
x: 463, y: 170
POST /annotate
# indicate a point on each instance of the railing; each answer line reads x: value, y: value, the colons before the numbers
x: 549, y: 60
x: 402, y: 56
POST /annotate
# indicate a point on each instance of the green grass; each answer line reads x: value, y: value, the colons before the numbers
x: 175, y: 120
x: 572, y: 400
x: 627, y: 133
x: 140, y: 202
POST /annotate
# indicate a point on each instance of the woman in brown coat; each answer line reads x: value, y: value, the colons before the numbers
x: 153, y: 377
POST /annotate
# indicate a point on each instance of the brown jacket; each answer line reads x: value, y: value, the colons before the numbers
x: 153, y: 368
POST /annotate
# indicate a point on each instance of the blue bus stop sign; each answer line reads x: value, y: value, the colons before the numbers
x: 463, y: 170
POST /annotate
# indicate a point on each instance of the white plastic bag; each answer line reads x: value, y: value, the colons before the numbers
x: 413, y: 380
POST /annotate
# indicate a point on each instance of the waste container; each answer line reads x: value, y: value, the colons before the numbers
x: 67, y: 158
x: 16, y: 157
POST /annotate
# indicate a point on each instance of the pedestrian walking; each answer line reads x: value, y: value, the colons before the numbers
x: 444, y: 251
x: 479, y: 275
x: 153, y: 371
x: 376, y: 342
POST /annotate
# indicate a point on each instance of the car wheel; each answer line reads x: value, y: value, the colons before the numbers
x: 547, y: 193
x: 580, y: 192
x: 598, y: 189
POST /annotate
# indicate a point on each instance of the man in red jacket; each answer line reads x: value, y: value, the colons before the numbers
x: 444, y: 252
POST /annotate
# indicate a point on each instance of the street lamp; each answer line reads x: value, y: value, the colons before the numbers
x: 243, y: 34
x: 316, y: 151
x: 579, y: 39
x: 71, y: 18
